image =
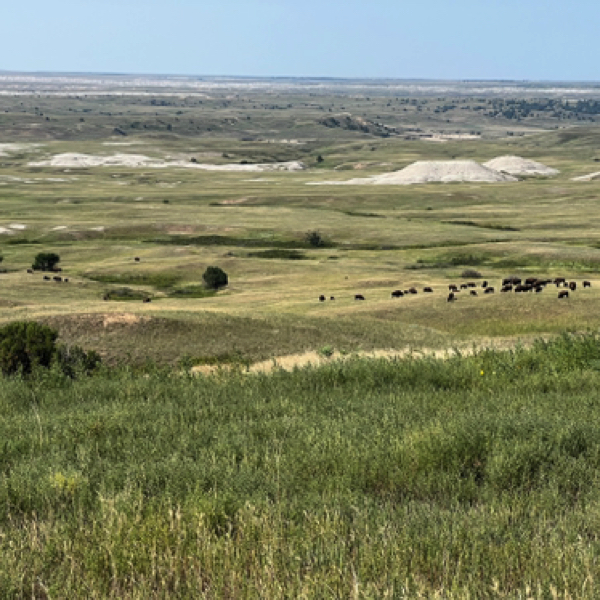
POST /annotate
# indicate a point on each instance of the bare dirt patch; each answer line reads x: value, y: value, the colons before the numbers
x: 432, y: 172
x: 120, y: 319
x: 515, y: 165
x: 74, y: 160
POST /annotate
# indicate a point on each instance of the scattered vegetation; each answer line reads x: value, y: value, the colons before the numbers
x: 279, y: 253
x: 125, y: 294
x: 191, y: 291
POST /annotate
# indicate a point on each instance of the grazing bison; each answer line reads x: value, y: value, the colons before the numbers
x: 66, y: 280
x: 147, y: 300
x: 46, y: 278
x: 332, y: 298
x: 105, y: 297
x: 463, y: 286
x: 511, y: 281
x: 484, y: 284
x: 321, y: 298
x: 57, y: 279
x: 452, y: 288
x: 137, y: 259
x: 539, y: 288
x: 473, y: 293
x: 563, y: 294
x: 428, y: 290
x: 572, y: 286
x: 489, y: 290
x: 359, y: 297
x: 559, y: 280
x: 507, y: 288
x: 412, y: 290
x: 451, y: 297
x: 587, y: 284
x: 30, y: 271
x: 397, y: 294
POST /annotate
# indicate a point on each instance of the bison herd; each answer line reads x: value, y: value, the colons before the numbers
x: 509, y: 284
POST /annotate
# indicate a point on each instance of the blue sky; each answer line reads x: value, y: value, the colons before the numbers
x: 440, y: 39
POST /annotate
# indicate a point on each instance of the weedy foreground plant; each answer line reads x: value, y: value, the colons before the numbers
x: 476, y: 476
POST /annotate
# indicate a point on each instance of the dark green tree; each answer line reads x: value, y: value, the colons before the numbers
x: 314, y: 239
x: 45, y: 261
x: 215, y: 278
x: 24, y: 345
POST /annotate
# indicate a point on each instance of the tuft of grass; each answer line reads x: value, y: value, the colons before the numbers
x: 125, y: 294
x: 192, y: 291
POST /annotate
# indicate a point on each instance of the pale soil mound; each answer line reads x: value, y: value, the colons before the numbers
x: 589, y: 177
x: 515, y: 165
x: 74, y: 160
x: 434, y: 172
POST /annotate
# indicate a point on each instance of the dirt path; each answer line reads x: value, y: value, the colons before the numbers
x: 292, y: 361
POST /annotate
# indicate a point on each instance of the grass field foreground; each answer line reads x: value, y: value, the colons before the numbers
x: 475, y: 476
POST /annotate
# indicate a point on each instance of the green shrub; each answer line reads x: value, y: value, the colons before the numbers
x: 74, y: 359
x: 215, y: 278
x: 24, y: 345
x: 125, y: 293
x: 45, y: 261
x: 314, y: 239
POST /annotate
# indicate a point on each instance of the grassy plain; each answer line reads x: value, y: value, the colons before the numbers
x: 470, y: 477
x: 179, y: 221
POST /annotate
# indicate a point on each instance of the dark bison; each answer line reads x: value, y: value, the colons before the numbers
x: 359, y: 297
x: 473, y: 293
x: 452, y: 288
x: 484, y: 284
x: 563, y: 294
x: 30, y: 271
x: 332, y: 298
x: 66, y: 280
x: 572, y: 286
x: 57, y: 279
x: 46, y: 278
x: 511, y: 281
x: 412, y: 290
x: 321, y: 298
x: 105, y: 297
x: 451, y: 297
x: 587, y: 284
x: 397, y: 294
x: 489, y: 290
x: 507, y: 288
x: 428, y: 290
x: 137, y: 259
x: 463, y: 286
x: 147, y: 300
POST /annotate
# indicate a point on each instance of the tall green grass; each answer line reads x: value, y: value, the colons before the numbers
x: 472, y: 477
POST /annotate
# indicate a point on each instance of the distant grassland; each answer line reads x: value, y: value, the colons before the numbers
x: 254, y: 225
